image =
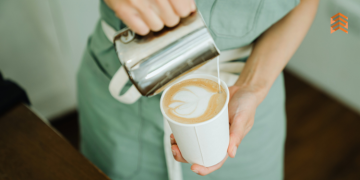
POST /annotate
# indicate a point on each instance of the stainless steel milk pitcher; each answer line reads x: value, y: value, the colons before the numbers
x: 156, y: 60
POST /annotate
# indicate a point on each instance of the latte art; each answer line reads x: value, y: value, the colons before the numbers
x: 194, y: 100
x: 190, y: 101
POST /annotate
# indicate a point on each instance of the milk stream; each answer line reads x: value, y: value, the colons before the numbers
x: 218, y: 73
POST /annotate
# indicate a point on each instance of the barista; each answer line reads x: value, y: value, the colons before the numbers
x: 125, y: 140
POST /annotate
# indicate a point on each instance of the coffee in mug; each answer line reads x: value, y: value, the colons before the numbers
x: 194, y: 100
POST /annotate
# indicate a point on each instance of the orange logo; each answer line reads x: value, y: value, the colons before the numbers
x: 341, y: 22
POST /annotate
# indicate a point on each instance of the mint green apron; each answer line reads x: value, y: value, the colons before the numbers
x: 126, y: 140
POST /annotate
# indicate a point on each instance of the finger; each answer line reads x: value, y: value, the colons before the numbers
x: 182, y: 7
x: 192, y: 6
x: 234, y: 143
x: 240, y: 125
x: 201, y: 170
x: 167, y: 14
x: 151, y: 19
x: 172, y: 139
x: 236, y: 133
x: 132, y: 19
x: 177, y: 154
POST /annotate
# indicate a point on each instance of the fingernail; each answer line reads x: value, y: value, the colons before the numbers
x: 234, y: 151
x: 195, y: 171
x: 193, y: 6
x: 172, y: 139
x: 174, y: 153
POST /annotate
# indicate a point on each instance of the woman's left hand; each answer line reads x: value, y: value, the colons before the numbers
x: 242, y: 106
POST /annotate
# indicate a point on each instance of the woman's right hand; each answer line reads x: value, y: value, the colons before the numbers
x: 141, y: 16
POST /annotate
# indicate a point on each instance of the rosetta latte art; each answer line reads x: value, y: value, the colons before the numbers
x: 190, y: 102
x: 194, y: 100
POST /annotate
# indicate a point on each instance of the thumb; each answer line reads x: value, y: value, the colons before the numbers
x: 236, y: 135
x: 232, y: 90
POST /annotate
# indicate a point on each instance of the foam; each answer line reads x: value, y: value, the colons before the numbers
x: 190, y: 101
x: 194, y: 100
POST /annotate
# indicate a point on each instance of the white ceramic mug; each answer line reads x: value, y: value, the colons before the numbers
x: 204, y: 143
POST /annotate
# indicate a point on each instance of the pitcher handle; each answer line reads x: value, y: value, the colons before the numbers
x: 118, y: 82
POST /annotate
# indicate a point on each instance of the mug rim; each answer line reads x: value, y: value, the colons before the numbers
x: 222, y: 83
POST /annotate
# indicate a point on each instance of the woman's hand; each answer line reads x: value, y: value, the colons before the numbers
x: 141, y: 16
x: 242, y: 106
